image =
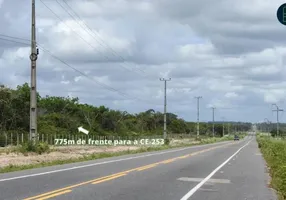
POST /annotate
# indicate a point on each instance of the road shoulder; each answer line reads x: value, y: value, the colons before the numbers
x: 248, y: 177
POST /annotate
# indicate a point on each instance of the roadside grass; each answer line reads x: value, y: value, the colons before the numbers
x: 95, y: 156
x: 274, y: 152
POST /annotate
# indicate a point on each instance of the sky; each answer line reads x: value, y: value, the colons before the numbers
x: 114, y: 52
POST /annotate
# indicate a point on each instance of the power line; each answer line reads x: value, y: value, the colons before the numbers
x: 10, y: 40
x: 41, y: 47
x: 13, y: 38
x: 80, y: 72
x: 92, y: 31
x: 99, y: 83
x: 59, y: 18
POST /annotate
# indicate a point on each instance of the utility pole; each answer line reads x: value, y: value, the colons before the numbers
x: 277, y: 117
x: 198, y: 115
x: 213, y: 108
x: 223, y: 127
x: 165, y: 106
x: 33, y: 92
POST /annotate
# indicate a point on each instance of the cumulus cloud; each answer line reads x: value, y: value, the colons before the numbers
x: 113, y: 52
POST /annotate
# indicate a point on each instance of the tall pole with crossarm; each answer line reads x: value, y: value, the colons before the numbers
x: 198, y: 115
x: 277, y: 117
x: 33, y: 92
x: 213, y: 109
x: 223, y: 119
x: 165, y: 106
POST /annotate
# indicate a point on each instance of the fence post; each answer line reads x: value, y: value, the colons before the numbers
x: 22, y: 138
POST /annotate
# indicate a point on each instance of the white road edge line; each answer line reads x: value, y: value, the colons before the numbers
x: 192, y: 191
x: 105, y: 162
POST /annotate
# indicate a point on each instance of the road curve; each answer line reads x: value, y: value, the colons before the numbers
x: 221, y: 171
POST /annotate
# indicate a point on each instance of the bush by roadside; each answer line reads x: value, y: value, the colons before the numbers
x: 274, y: 152
x: 39, y: 147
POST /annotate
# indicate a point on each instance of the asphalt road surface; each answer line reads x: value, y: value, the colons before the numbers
x: 232, y: 170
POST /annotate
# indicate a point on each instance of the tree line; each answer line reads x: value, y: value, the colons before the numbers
x: 63, y: 115
x: 271, y: 127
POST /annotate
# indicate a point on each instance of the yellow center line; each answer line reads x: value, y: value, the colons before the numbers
x: 168, y: 161
x: 146, y: 167
x: 72, y: 186
x: 54, y: 195
x: 181, y: 157
x: 112, y: 176
x: 107, y: 179
x: 136, y: 169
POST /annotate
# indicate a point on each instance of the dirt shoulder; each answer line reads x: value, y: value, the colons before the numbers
x: 57, y: 153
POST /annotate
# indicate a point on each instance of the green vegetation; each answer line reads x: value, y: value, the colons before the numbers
x: 274, y: 152
x: 39, y: 147
x: 272, y: 129
x: 62, y: 115
x: 281, y: 133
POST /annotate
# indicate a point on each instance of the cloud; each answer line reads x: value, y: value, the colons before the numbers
x: 114, y: 52
x: 232, y: 26
x: 231, y: 95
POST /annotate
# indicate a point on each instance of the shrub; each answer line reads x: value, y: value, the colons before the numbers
x: 274, y: 152
x: 42, y: 147
x: 39, y: 147
x: 167, y: 141
x: 2, y: 140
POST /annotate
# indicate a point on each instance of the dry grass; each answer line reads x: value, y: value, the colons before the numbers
x: 58, y: 153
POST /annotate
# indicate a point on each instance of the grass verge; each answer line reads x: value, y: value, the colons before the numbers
x: 274, y: 152
x: 95, y: 156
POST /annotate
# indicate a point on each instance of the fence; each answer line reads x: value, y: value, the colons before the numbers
x: 14, y: 139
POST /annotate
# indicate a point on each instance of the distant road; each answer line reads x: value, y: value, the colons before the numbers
x: 221, y: 171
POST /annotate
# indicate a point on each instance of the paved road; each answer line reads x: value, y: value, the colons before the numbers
x: 222, y: 171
